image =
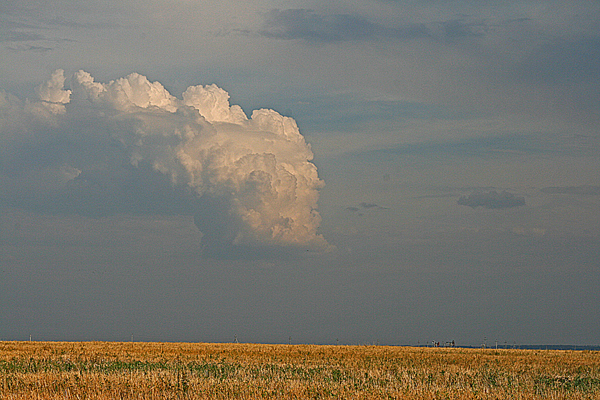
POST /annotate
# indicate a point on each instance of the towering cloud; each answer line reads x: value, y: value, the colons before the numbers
x: 249, y: 181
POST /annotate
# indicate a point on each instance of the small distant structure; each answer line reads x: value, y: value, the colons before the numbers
x: 443, y: 344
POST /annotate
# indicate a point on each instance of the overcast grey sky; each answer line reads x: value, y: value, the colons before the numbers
x: 377, y: 171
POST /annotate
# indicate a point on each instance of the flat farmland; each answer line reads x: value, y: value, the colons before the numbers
x: 108, y: 370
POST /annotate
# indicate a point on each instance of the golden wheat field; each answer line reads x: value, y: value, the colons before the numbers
x: 106, y: 370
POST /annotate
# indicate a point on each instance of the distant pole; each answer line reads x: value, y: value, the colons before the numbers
x: 30, y: 338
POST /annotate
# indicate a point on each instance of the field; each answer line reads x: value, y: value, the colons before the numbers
x: 102, y: 370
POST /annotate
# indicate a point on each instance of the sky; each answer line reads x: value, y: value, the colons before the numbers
x: 383, y: 171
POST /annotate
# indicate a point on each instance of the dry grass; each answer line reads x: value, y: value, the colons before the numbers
x: 99, y: 370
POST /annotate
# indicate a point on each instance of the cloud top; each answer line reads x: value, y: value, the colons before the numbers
x: 249, y: 181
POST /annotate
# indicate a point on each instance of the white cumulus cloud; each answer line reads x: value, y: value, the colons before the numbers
x: 249, y: 181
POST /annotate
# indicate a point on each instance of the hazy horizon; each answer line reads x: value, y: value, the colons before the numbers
x: 380, y: 172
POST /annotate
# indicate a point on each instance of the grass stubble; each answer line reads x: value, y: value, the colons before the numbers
x: 108, y: 370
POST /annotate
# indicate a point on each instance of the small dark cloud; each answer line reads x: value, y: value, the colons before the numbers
x: 19, y: 40
x: 492, y: 200
x: 30, y: 48
x: 310, y: 26
x: 583, y: 190
x: 15, y: 36
x: 366, y: 206
x: 372, y: 205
